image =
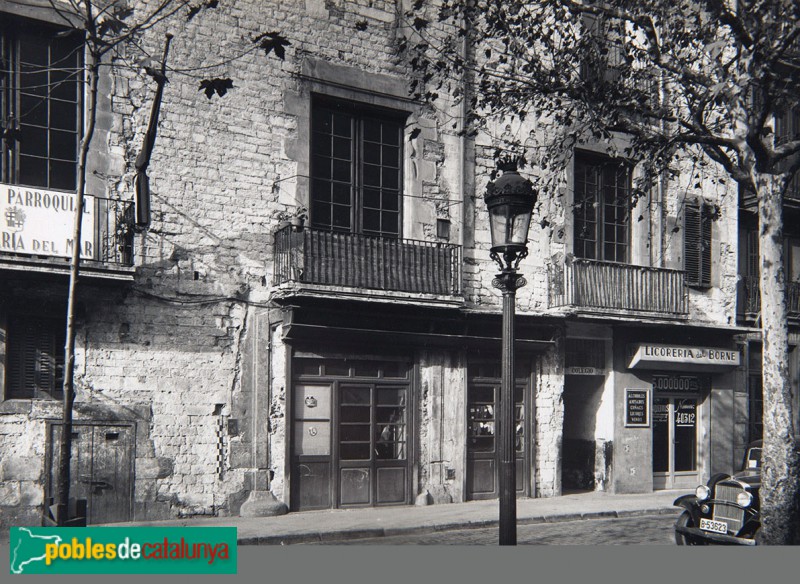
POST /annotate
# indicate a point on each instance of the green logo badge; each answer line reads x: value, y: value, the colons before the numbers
x: 123, y: 550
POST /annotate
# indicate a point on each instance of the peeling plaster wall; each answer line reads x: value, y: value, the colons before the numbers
x: 549, y: 421
x: 442, y: 412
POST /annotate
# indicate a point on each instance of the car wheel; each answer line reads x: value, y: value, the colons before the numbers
x: 685, y: 520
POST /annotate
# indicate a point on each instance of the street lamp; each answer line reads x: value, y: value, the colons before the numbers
x: 510, y: 200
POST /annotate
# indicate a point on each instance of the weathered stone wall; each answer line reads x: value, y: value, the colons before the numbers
x: 442, y: 415
x: 549, y: 420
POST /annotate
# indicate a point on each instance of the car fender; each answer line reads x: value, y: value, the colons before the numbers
x: 690, y: 503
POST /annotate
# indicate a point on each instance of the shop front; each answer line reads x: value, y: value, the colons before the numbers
x: 395, y: 405
x: 670, y: 397
x: 681, y: 378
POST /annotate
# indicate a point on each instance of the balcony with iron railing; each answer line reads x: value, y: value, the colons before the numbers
x: 749, y: 305
x: 614, y: 288
x: 36, y: 233
x: 365, y: 264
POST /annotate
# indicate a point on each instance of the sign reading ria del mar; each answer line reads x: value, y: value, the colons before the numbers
x: 41, y: 222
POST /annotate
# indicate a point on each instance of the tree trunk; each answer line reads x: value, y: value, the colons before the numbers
x: 65, y: 446
x: 780, y: 473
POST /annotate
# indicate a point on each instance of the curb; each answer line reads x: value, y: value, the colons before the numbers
x: 351, y: 534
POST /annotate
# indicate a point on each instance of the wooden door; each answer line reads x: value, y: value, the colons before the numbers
x: 372, y: 445
x: 101, y: 469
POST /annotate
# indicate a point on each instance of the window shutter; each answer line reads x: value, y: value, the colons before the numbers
x: 697, y: 244
x: 36, y: 360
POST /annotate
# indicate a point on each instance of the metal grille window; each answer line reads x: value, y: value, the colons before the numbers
x: 356, y: 170
x: 35, y: 365
x: 585, y: 353
x: 602, y: 217
x: 698, y: 217
x: 40, y: 89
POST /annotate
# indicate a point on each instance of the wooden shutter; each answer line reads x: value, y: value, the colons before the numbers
x: 35, y: 357
x: 697, y: 244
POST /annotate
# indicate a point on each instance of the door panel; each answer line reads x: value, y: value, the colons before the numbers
x: 482, y: 456
x: 312, y: 485
x: 674, y: 442
x: 685, y: 420
x: 391, y: 485
x: 482, y: 475
x: 101, y: 470
x: 111, y: 474
x: 355, y: 486
x: 311, y: 447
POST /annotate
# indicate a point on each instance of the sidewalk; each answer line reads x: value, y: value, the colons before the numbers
x: 333, y: 525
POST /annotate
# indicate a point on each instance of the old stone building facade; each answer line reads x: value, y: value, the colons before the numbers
x: 310, y: 311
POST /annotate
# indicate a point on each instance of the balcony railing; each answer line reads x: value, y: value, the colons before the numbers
x: 751, y: 298
x: 331, y: 258
x: 114, y: 231
x: 601, y: 286
x: 37, y: 226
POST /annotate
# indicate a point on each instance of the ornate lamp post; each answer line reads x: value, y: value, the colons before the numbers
x: 510, y: 200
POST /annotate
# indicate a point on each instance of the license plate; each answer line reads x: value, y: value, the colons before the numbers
x: 715, y: 526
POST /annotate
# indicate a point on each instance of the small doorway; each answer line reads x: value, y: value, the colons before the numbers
x: 483, y: 458
x: 675, y: 442
x: 101, y: 469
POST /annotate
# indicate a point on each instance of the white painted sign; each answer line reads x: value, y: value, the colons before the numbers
x: 649, y: 355
x: 39, y: 222
x: 585, y: 371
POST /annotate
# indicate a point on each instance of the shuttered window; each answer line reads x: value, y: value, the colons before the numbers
x: 35, y: 365
x: 697, y: 243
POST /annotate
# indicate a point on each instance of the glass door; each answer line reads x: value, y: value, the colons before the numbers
x: 674, y: 442
x: 373, y: 467
x: 483, y: 457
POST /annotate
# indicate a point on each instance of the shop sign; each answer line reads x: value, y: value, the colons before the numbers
x: 585, y: 371
x: 637, y: 408
x: 651, y: 356
x: 675, y: 383
x: 40, y: 222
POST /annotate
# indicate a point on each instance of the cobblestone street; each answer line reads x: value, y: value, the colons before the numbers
x: 647, y: 530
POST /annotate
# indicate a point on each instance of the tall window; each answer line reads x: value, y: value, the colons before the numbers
x: 356, y: 169
x: 787, y: 127
x: 35, y: 357
x: 604, y: 55
x: 698, y: 217
x: 602, y: 214
x: 40, y: 74
x: 755, y: 394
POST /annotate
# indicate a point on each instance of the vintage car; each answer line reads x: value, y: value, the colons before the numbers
x: 727, y: 509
